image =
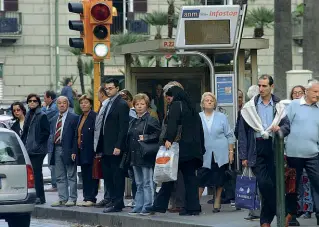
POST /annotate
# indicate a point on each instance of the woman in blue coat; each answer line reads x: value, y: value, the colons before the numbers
x: 219, y: 144
x: 85, y: 152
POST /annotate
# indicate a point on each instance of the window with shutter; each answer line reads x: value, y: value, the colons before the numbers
x: 11, y: 5
x: 140, y: 6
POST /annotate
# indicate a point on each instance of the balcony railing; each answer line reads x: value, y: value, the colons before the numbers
x: 135, y: 24
x: 10, y: 24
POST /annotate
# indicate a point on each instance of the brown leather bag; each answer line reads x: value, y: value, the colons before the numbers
x: 290, y: 180
x: 97, y: 168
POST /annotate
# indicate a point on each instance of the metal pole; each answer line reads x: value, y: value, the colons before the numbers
x: 209, y: 63
x: 280, y: 181
x: 235, y: 93
x: 124, y: 16
x: 97, y: 82
x: 205, y: 2
x: 57, y: 51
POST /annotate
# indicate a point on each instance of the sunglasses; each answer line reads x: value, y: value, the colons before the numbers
x: 33, y: 100
x: 16, y: 110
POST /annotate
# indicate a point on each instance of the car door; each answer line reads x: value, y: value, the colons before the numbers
x: 13, y: 168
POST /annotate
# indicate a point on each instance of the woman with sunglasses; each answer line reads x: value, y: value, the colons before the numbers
x: 18, y: 113
x: 36, y: 132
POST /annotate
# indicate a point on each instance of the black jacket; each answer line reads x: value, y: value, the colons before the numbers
x: 116, y: 127
x: 16, y: 128
x: 151, y: 135
x: 36, y: 137
x: 85, y: 153
x: 191, y: 144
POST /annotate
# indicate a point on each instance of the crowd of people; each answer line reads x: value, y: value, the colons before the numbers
x: 127, y: 126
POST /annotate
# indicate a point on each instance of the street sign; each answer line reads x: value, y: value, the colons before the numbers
x: 207, y: 27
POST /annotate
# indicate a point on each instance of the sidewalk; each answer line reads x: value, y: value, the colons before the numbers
x: 228, y: 217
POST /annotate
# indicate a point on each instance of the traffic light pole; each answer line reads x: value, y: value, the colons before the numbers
x: 97, y: 84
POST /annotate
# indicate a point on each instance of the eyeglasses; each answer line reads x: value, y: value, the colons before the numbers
x: 16, y: 110
x: 298, y: 93
x: 32, y: 100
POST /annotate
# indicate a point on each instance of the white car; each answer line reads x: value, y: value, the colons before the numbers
x: 17, y: 192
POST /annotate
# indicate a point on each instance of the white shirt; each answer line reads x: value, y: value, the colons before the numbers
x: 63, y: 120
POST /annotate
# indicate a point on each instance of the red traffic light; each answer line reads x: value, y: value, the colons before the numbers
x: 101, y: 12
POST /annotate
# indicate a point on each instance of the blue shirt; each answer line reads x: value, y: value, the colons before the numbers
x: 303, y: 140
x: 266, y: 114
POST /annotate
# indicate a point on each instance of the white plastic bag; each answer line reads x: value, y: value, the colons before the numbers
x: 166, y: 164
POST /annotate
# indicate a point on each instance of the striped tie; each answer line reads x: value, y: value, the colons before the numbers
x: 57, y: 136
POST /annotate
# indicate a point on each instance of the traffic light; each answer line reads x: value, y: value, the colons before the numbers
x: 83, y: 26
x: 101, y: 19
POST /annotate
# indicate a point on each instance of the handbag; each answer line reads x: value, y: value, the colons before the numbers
x: 148, y: 149
x: 97, y: 168
x: 290, y: 180
x: 246, y: 191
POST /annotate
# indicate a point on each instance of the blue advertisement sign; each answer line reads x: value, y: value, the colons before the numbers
x: 224, y: 89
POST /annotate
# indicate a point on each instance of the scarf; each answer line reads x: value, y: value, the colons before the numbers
x: 250, y: 115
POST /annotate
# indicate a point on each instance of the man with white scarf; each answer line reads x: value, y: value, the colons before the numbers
x: 261, y: 117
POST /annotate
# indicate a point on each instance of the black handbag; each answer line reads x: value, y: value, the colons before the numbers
x: 148, y: 149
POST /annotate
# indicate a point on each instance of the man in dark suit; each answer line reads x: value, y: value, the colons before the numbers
x: 64, y: 143
x: 112, y: 142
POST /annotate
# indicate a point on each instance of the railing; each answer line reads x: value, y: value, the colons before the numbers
x: 10, y: 24
x: 135, y: 25
x: 280, y: 181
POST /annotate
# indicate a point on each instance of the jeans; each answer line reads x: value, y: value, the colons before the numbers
x: 145, y: 189
x: 265, y: 173
x: 90, y: 185
x: 65, y: 177
x: 311, y: 165
x: 52, y: 169
x: 37, y: 162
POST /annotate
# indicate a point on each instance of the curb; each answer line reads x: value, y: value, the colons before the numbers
x: 108, y: 220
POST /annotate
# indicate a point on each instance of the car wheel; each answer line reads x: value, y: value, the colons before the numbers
x: 22, y: 220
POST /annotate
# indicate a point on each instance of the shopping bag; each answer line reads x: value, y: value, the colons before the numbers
x: 166, y: 164
x: 246, y: 191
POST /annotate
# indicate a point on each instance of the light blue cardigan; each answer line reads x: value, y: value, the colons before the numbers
x: 217, y: 140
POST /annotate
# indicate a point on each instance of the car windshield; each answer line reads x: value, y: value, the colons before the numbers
x: 10, y: 150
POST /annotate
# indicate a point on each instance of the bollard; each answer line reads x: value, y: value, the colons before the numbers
x: 280, y: 181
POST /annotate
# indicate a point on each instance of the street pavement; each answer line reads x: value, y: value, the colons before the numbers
x: 228, y: 217
x: 46, y: 223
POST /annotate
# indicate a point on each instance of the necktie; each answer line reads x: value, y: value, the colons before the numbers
x: 57, y: 136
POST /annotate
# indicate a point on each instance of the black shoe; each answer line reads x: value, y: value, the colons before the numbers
x: 252, y: 218
x: 154, y: 209
x: 112, y: 209
x: 216, y: 210
x: 105, y: 203
x: 211, y: 201
x: 188, y: 213
x: 294, y: 221
x: 39, y: 201
x: 317, y: 216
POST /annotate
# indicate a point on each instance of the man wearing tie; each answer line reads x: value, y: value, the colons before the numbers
x: 64, y: 142
x: 113, y: 134
x: 98, y: 140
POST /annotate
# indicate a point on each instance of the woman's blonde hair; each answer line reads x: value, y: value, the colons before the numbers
x: 141, y: 96
x: 203, y: 98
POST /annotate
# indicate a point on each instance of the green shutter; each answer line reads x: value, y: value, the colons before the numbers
x: 1, y: 70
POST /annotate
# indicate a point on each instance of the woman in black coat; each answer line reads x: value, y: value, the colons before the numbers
x: 85, y: 152
x: 191, y: 149
x: 142, y: 142
x: 18, y: 112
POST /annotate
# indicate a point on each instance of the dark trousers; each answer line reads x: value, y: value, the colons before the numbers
x: 90, y: 185
x: 265, y: 172
x: 131, y: 176
x: 191, y: 190
x: 311, y: 165
x: 114, y: 179
x: 37, y: 162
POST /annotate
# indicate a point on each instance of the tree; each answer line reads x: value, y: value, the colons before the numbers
x: 311, y: 37
x: 77, y: 52
x: 283, y: 46
x: 259, y: 18
x: 157, y: 19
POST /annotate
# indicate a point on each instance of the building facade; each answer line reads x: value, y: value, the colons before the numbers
x: 27, y: 43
